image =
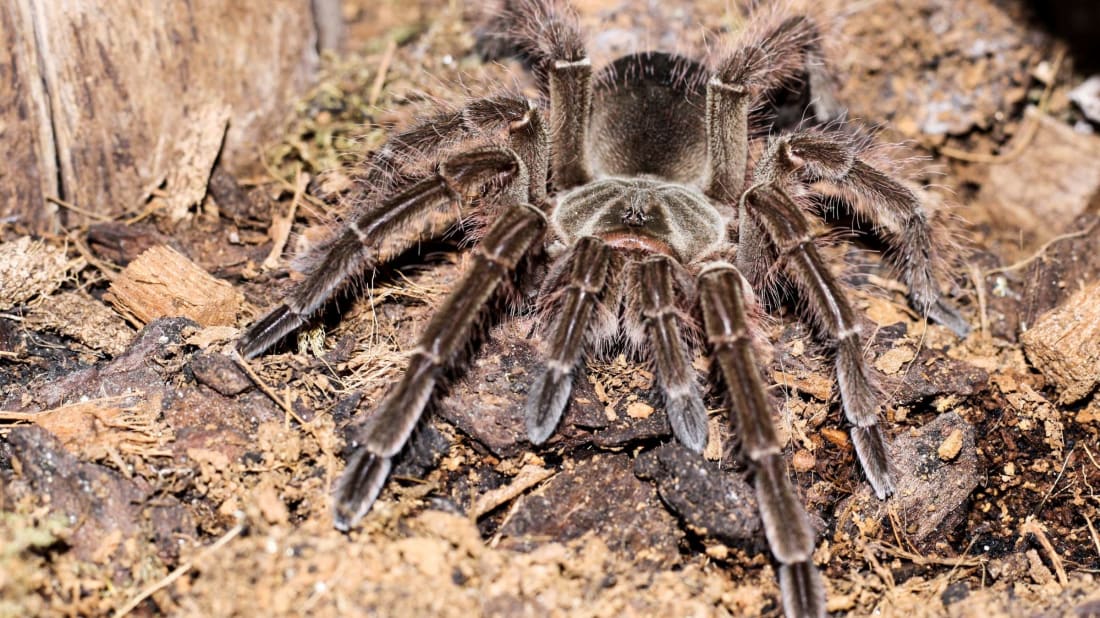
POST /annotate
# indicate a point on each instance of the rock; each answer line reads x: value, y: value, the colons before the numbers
x: 931, y: 492
x: 220, y: 373
x: 713, y: 502
x: 599, y: 495
x: 1087, y: 97
x: 934, y: 374
x: 97, y: 501
x: 153, y: 355
x: 1044, y: 190
x: 426, y: 448
x: 487, y: 403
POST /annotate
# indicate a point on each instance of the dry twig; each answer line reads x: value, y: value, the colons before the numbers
x: 1039, y: 253
x: 180, y: 571
x: 1033, y: 527
x: 383, y: 68
x: 527, y: 478
x: 260, y: 384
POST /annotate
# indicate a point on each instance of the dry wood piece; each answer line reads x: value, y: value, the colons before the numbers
x: 27, y: 138
x: 161, y: 282
x: 105, y: 428
x: 529, y: 476
x: 195, y: 153
x: 1064, y: 344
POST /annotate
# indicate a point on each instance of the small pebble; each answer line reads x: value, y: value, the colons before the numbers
x: 718, y: 552
x: 951, y: 445
x: 639, y: 409
x: 837, y: 437
x: 803, y: 460
x: 1087, y: 97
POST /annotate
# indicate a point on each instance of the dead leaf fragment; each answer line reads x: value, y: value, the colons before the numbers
x: 837, y: 437
x: 815, y: 385
x: 803, y: 460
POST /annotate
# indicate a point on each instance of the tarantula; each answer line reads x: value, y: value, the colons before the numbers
x: 631, y: 196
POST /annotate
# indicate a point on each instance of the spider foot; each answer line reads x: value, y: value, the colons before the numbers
x: 860, y: 399
x: 945, y: 314
x: 358, y: 487
x: 802, y: 588
x: 871, y: 449
x: 268, y: 331
x: 688, y: 417
x: 545, y: 404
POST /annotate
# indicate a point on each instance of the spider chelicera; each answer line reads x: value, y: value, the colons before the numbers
x: 630, y: 195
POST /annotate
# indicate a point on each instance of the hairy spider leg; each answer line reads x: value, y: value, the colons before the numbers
x: 771, y: 54
x: 892, y: 208
x: 482, y: 118
x: 656, y: 296
x: 727, y: 140
x: 726, y: 298
x: 384, y: 433
x: 356, y: 248
x: 776, y: 50
x: 570, y: 110
x: 549, y: 393
x: 549, y: 34
x: 832, y: 316
x: 542, y: 31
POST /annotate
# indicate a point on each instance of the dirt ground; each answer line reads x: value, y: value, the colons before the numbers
x: 144, y: 471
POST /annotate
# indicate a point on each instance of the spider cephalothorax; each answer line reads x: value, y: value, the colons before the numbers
x: 630, y: 194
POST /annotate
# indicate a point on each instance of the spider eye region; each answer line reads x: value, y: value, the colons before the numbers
x: 634, y: 214
x: 634, y: 211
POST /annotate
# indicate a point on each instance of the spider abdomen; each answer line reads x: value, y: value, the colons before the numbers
x: 643, y: 213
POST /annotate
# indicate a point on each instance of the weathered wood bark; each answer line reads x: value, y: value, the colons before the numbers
x: 1064, y: 344
x: 101, y: 102
x: 29, y: 171
x: 328, y: 15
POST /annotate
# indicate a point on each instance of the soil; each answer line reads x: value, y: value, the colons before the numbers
x: 144, y: 470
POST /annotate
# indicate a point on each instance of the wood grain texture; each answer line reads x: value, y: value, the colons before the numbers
x: 164, y: 283
x: 127, y: 83
x: 29, y: 172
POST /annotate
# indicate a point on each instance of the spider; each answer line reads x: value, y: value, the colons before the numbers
x: 632, y: 198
